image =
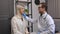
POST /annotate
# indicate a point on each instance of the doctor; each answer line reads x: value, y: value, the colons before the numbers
x: 45, y: 21
x: 18, y: 23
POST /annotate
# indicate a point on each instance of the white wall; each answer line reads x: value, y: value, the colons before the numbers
x: 35, y: 13
x: 42, y: 1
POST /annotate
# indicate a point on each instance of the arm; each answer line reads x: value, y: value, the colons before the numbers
x: 14, y: 26
x: 51, y: 26
x: 29, y: 19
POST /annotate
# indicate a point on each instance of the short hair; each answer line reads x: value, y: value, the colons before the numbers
x: 44, y: 5
x: 19, y: 7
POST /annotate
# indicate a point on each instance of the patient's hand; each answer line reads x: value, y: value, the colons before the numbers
x: 27, y: 32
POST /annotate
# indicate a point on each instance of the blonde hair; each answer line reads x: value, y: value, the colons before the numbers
x: 18, y: 8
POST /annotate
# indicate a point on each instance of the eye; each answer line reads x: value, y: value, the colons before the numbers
x: 39, y: 7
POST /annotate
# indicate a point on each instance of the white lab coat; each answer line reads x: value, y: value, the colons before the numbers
x: 17, y: 25
x: 45, y: 24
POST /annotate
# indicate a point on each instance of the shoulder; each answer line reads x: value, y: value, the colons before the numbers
x: 49, y: 18
x: 13, y: 18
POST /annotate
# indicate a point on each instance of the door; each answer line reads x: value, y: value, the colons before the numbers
x: 6, y: 12
x: 54, y: 11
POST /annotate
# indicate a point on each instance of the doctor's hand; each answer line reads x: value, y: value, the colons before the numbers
x: 24, y: 15
x: 38, y: 32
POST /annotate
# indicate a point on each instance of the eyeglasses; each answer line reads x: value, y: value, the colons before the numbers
x: 39, y: 7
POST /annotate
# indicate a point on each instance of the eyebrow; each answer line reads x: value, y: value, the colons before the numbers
x: 39, y: 7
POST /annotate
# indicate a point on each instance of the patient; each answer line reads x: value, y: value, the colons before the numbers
x: 18, y: 23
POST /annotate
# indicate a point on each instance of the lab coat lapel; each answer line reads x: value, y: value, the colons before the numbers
x: 44, y: 15
x: 41, y: 22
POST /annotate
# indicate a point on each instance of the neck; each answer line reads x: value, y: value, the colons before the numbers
x: 42, y: 13
x: 19, y: 14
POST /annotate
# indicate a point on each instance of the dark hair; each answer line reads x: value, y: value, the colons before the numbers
x: 44, y: 5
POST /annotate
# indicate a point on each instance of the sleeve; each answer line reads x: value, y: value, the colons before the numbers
x: 51, y: 26
x: 14, y: 27
x: 31, y: 20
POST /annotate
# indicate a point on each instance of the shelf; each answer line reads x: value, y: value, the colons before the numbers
x: 23, y: 2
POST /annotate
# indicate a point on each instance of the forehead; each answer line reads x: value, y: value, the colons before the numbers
x: 18, y: 6
x: 40, y: 5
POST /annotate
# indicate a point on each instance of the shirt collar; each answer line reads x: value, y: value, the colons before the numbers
x: 44, y: 15
x: 19, y: 16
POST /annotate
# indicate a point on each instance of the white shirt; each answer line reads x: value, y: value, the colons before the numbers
x: 18, y: 26
x: 45, y: 24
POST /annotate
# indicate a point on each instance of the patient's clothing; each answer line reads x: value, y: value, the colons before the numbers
x: 18, y: 25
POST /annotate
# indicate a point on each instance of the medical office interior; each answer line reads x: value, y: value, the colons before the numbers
x: 8, y: 10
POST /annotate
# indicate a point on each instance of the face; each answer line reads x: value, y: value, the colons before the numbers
x: 41, y: 10
x: 21, y: 10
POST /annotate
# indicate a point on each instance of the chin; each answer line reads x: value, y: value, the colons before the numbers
x: 39, y: 11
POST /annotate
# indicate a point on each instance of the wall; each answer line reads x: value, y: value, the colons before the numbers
x: 35, y: 13
x: 6, y: 12
x: 54, y: 11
